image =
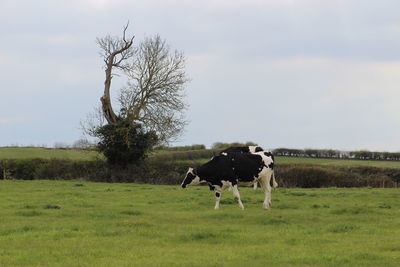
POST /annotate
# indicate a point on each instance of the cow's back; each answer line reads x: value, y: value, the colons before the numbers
x: 242, y: 149
x: 246, y: 166
x: 218, y: 168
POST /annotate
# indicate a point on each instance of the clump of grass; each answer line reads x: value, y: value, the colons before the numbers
x: 393, y: 248
x: 296, y: 194
x: 23, y: 229
x: 201, y: 236
x: 299, y: 194
x: 228, y: 201
x: 29, y: 207
x: 285, y: 206
x: 27, y: 228
x: 316, y: 206
x: 384, y: 206
x: 54, y: 207
x: 226, y: 216
x: 272, y: 221
x: 342, y: 228
x: 131, y: 212
x: 351, y: 211
x: 30, y: 213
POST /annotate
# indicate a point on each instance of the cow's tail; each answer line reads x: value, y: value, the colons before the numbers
x: 274, y: 183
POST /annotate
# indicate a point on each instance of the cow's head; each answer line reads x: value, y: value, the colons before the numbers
x: 191, y: 178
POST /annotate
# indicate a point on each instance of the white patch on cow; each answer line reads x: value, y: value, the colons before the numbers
x: 195, y: 181
x: 265, y: 179
x: 267, y: 159
x: 225, y: 185
x: 224, y: 154
x: 252, y: 149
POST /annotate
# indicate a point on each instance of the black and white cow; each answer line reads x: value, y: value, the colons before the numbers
x: 230, y: 169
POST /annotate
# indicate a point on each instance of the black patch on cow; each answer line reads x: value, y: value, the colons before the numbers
x: 269, y: 154
x: 258, y: 149
x: 217, y: 194
x: 271, y: 165
x: 247, y: 166
x: 188, y: 179
x: 212, y: 188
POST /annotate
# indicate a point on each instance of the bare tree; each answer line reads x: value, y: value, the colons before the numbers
x: 115, y: 52
x: 93, y: 120
x: 154, y: 95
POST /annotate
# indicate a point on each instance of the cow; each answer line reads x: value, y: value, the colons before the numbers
x: 249, y: 149
x: 230, y: 169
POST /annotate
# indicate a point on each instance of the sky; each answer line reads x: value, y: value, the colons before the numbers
x: 281, y: 73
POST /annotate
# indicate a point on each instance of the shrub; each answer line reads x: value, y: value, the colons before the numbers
x: 305, y: 175
x: 124, y: 142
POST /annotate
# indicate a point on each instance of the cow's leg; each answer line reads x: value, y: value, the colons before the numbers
x: 236, y: 194
x: 217, y: 198
x: 265, y: 184
x: 255, y: 185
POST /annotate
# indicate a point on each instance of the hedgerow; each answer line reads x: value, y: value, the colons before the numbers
x: 156, y: 171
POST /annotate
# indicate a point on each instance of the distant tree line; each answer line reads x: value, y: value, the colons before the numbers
x: 221, y: 145
x: 337, y: 154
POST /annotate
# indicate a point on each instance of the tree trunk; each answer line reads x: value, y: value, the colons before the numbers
x: 115, y: 52
x: 105, y: 99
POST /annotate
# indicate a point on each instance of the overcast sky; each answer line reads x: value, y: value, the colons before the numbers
x: 281, y: 73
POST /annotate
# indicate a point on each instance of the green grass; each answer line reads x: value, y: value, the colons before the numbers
x: 46, y: 153
x: 76, y: 154
x: 339, y: 162
x: 75, y: 223
x: 324, y: 162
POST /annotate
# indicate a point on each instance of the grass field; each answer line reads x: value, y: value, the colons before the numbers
x: 76, y: 154
x: 74, y: 223
x: 46, y: 153
x: 339, y: 162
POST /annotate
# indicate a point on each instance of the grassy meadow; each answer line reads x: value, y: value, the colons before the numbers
x: 79, y: 154
x: 338, y: 162
x: 46, y: 153
x: 75, y: 223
